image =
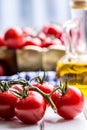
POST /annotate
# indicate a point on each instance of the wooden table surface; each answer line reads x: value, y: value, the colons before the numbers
x: 50, y: 121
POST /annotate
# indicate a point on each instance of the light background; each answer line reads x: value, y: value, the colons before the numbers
x: 33, y: 13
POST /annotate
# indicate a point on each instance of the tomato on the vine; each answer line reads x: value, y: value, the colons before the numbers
x: 70, y: 104
x: 30, y: 109
x: 7, y: 100
x: 41, y: 83
x: 32, y: 98
x: 7, y: 103
x: 17, y: 87
x: 45, y: 87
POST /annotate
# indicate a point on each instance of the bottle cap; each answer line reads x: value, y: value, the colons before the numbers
x: 78, y: 4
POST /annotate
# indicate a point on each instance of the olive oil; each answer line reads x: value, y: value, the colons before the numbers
x: 75, y: 73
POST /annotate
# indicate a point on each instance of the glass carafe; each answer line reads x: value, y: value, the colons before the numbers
x: 73, y: 65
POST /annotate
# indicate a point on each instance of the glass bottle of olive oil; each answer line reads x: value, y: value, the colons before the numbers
x: 73, y: 65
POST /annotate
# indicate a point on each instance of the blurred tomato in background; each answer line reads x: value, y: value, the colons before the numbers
x: 2, y: 70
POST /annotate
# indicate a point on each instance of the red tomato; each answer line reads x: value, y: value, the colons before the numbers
x: 2, y: 70
x: 30, y: 109
x: 32, y: 41
x: 70, y: 104
x: 45, y: 87
x: 52, y: 29
x: 49, y: 41
x: 14, y: 38
x: 17, y: 87
x: 28, y: 31
x: 1, y: 41
x: 7, y: 103
x: 41, y: 36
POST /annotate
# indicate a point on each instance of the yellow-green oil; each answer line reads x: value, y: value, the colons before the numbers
x: 76, y: 73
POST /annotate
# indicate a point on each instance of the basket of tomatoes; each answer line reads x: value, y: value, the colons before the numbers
x: 32, y: 50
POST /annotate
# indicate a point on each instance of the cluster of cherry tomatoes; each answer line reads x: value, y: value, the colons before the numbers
x: 28, y: 100
x: 17, y: 38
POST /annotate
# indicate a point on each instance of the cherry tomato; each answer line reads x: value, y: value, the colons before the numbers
x: 52, y: 29
x: 45, y: 87
x: 2, y: 70
x: 41, y: 36
x: 7, y: 103
x: 30, y: 109
x: 49, y: 41
x: 16, y: 87
x: 28, y: 31
x: 32, y: 41
x: 13, y: 38
x: 69, y: 105
x: 1, y: 41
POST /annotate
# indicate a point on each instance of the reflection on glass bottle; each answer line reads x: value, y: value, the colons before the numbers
x: 79, y: 11
x: 73, y: 65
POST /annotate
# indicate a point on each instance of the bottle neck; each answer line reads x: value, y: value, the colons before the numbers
x: 70, y: 35
x: 70, y: 49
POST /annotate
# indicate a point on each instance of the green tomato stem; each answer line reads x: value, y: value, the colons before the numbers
x: 47, y: 97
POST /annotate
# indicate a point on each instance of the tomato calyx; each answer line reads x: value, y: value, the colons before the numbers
x: 23, y: 94
x: 39, y: 79
x: 4, y: 86
x: 63, y: 87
